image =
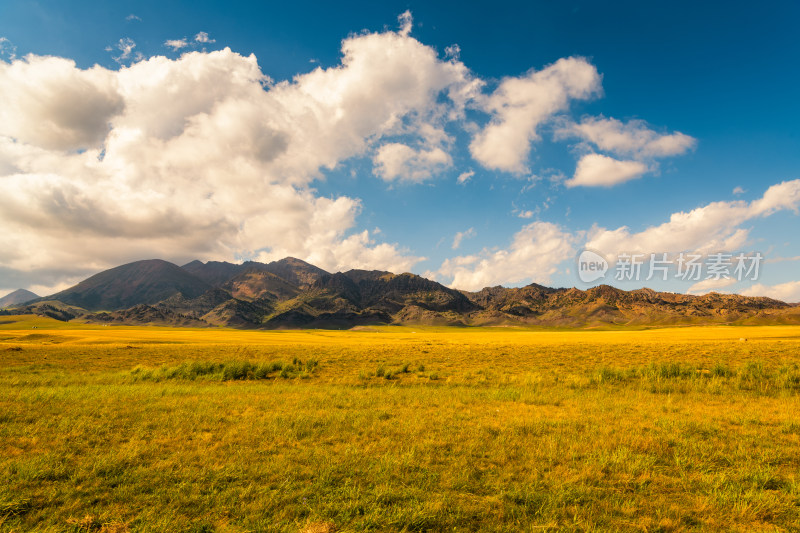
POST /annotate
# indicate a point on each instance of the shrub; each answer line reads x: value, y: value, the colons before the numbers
x: 721, y: 370
x: 754, y: 370
x: 608, y: 374
x: 227, y: 371
x: 262, y: 371
x: 237, y: 370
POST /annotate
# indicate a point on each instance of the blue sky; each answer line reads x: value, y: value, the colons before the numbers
x: 714, y: 84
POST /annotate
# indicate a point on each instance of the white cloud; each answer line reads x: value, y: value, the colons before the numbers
x: 785, y: 292
x: 782, y: 259
x: 461, y: 235
x: 406, y: 22
x: 525, y: 214
x: 634, y: 139
x: 203, y: 156
x: 785, y: 195
x: 464, y: 177
x: 202, y: 37
x: 453, y: 51
x: 711, y: 228
x: 176, y: 44
x: 599, y: 170
x: 738, y: 190
x: 520, y: 105
x: 7, y: 49
x: 398, y: 161
x: 534, y: 255
x: 711, y: 285
x: 50, y: 103
x: 125, y: 46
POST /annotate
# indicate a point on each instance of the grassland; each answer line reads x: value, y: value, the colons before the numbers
x: 398, y: 429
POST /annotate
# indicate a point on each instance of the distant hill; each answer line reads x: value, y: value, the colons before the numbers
x: 143, y: 282
x: 603, y: 305
x: 19, y: 296
x: 291, y: 293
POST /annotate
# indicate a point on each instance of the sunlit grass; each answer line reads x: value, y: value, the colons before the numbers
x: 399, y: 429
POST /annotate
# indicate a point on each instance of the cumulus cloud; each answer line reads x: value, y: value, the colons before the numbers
x: 359, y: 250
x: 632, y: 139
x: 202, y: 37
x: 710, y: 228
x: 406, y: 22
x: 600, y: 170
x: 519, y: 106
x: 461, y: 235
x: 7, y: 49
x: 176, y: 44
x: 48, y: 102
x: 464, y: 177
x: 533, y: 256
x: 738, y: 190
x: 785, y: 292
x: 453, y: 51
x: 399, y: 161
x: 204, y: 156
x: 125, y: 47
x: 782, y: 259
x: 711, y: 285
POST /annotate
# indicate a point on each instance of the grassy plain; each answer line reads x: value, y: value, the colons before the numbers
x: 398, y: 429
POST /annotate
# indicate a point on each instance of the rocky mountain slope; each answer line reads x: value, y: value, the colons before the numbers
x: 142, y: 282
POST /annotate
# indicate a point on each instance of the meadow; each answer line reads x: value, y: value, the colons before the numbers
x: 152, y: 429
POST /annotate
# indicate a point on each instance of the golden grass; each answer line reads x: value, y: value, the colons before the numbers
x: 399, y: 429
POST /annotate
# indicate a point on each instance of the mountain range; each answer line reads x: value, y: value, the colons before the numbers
x: 291, y: 293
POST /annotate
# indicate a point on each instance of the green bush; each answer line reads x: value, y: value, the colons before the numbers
x: 721, y: 370
x: 227, y: 371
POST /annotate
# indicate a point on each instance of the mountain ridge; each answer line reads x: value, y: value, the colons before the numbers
x: 291, y: 293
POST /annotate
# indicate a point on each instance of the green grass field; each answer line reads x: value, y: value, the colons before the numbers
x: 398, y: 429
